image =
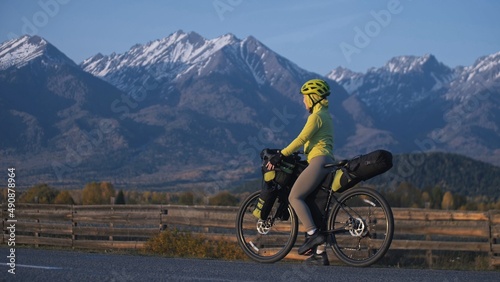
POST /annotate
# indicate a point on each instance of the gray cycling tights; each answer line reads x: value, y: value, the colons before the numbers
x: 307, y: 181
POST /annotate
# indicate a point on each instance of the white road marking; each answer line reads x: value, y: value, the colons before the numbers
x: 35, y: 266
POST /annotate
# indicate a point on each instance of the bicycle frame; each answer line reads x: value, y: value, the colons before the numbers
x: 328, y: 208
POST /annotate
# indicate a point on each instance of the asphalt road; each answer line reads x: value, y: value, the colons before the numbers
x: 56, y: 265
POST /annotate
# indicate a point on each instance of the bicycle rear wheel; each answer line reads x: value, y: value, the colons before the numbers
x: 266, y: 241
x: 365, y: 227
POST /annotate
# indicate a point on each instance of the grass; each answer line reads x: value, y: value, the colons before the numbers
x: 175, y: 243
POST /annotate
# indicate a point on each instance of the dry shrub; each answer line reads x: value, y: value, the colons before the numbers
x: 175, y: 243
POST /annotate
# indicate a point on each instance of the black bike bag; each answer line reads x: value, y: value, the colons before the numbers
x: 357, y: 169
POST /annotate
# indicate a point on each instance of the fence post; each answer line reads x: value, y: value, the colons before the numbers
x: 73, y: 225
x: 111, y: 225
x: 163, y: 226
x: 37, y: 234
x: 492, y: 239
x: 428, y: 253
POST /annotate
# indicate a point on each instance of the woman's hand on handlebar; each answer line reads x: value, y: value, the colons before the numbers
x: 274, y: 161
x: 269, y: 166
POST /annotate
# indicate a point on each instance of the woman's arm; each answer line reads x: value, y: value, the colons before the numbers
x: 312, y: 125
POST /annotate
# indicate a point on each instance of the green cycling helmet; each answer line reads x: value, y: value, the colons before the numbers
x: 316, y: 86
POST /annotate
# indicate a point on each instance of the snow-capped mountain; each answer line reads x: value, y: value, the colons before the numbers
x: 191, y: 107
x: 423, y: 101
x: 483, y: 74
x: 399, y: 85
x: 19, y: 52
x: 189, y: 54
x: 189, y: 71
x: 185, y: 111
x: 53, y: 114
x: 167, y: 58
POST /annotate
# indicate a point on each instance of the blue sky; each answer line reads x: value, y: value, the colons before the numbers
x: 316, y: 35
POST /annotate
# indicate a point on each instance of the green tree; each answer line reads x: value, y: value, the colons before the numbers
x: 404, y: 195
x: 437, y: 197
x: 120, y: 198
x: 223, y: 199
x: 41, y: 193
x: 459, y: 201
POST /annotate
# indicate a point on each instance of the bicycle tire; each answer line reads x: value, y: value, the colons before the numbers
x: 271, y: 246
x: 367, y: 238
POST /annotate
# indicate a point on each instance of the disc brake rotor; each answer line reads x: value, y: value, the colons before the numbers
x: 359, y: 228
x: 263, y: 226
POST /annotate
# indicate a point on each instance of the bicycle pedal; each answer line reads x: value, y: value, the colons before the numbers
x: 310, y: 252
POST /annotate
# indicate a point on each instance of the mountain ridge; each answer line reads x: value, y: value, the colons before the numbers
x: 455, y: 109
x: 176, y: 114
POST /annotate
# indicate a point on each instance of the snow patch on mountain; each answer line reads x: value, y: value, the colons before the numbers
x: 18, y: 52
x: 181, y: 54
x: 471, y: 81
x: 21, y: 51
x: 406, y: 64
x: 350, y: 80
x: 401, y: 84
x: 175, y: 50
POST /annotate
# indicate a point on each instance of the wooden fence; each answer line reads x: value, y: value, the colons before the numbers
x: 130, y: 226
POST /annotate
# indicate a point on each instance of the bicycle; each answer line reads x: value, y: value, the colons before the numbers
x: 358, y: 222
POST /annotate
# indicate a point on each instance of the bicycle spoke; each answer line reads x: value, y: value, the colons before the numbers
x: 363, y: 227
x: 265, y: 240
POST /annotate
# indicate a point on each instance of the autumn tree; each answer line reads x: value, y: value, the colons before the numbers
x: 41, y: 193
x: 64, y: 198
x: 448, y: 201
x: 97, y: 193
x: 132, y: 197
x: 159, y: 198
x: 186, y: 198
x: 223, y: 198
x: 426, y: 199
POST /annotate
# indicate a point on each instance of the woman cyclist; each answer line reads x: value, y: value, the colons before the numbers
x: 317, y: 139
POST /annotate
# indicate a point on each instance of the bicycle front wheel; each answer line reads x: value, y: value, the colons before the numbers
x: 364, y: 227
x: 266, y: 241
